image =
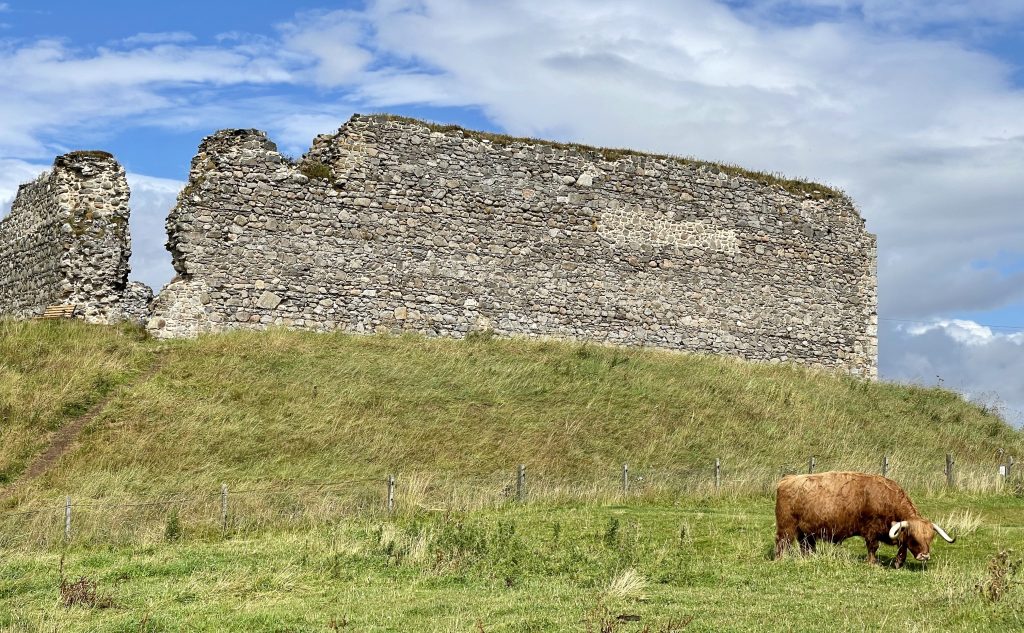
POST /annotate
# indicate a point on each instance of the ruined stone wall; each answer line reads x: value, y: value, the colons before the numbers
x: 66, y: 240
x: 391, y: 225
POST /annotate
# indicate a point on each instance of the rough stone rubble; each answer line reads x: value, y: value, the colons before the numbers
x: 66, y: 241
x: 390, y: 225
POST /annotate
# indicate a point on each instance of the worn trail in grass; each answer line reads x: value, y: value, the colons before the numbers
x: 51, y: 373
x: 535, y: 568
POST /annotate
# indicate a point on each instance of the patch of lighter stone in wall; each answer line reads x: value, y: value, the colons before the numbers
x: 629, y: 224
x: 179, y: 311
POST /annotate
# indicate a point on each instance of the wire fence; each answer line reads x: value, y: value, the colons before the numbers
x: 229, y: 511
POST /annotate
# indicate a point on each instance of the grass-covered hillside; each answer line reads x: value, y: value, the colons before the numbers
x: 304, y: 428
x: 279, y: 406
x: 51, y: 373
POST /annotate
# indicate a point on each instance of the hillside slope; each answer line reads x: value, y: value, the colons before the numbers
x: 284, y: 406
x: 51, y: 372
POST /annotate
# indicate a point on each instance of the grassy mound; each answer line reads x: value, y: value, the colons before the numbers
x: 279, y: 406
x: 278, y: 414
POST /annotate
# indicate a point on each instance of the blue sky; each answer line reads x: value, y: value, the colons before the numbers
x: 914, y: 107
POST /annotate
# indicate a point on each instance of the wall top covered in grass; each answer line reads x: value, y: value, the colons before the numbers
x: 393, y: 224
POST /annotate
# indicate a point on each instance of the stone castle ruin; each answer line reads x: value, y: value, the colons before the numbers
x: 396, y: 225
x: 66, y: 243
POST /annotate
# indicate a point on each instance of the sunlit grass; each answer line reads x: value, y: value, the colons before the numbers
x: 537, y: 567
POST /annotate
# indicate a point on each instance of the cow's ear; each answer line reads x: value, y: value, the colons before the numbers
x: 897, y: 527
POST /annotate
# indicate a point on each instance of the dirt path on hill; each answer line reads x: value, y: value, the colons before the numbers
x: 67, y: 434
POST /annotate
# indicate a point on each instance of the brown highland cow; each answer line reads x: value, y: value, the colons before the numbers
x: 837, y: 505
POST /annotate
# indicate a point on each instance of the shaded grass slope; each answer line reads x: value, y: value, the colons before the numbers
x: 282, y: 406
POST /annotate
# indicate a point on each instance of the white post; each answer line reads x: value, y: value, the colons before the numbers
x: 67, y: 518
x: 224, y: 509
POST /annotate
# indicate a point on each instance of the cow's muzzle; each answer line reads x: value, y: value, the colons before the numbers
x: 922, y: 557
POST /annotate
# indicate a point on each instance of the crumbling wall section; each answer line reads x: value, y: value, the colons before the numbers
x: 66, y: 240
x: 393, y: 225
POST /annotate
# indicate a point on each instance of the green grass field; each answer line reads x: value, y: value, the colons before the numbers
x: 304, y: 429
x: 693, y: 565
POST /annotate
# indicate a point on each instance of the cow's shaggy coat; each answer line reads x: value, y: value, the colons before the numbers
x: 834, y: 506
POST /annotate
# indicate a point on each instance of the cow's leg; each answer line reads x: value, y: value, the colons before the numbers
x: 901, y: 556
x: 872, y: 550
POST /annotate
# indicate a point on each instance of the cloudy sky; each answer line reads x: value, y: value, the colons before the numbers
x: 914, y: 107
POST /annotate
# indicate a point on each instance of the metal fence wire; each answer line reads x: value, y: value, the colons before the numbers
x: 213, y: 514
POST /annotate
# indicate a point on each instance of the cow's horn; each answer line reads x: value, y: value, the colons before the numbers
x: 896, y: 527
x: 943, y: 534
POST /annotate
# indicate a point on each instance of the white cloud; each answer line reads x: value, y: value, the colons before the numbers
x: 12, y: 174
x: 166, y: 37
x: 967, y: 332
x: 151, y: 200
x: 294, y: 132
x: 51, y: 86
x: 332, y: 40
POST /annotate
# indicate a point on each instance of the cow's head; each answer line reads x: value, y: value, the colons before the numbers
x: 917, y: 535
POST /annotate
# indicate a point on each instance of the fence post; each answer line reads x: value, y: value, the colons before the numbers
x: 625, y: 479
x: 810, y: 465
x: 223, y: 510
x: 885, y: 465
x: 521, y: 483
x: 718, y: 474
x: 391, y: 493
x: 949, y: 470
x: 67, y: 518
x: 1009, y: 467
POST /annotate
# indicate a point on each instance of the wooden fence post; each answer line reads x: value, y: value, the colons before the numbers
x: 885, y: 465
x: 718, y: 474
x: 391, y: 493
x: 950, y: 480
x: 224, y: 510
x: 1009, y: 467
x: 67, y: 518
x: 625, y: 479
x: 521, y: 483
x: 810, y: 465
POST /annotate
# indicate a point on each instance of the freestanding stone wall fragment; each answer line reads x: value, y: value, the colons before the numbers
x: 394, y: 225
x: 66, y: 240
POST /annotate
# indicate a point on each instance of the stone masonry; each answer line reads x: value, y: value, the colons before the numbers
x: 394, y: 225
x: 66, y: 240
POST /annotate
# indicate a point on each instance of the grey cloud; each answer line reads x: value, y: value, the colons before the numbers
x: 988, y: 372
